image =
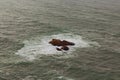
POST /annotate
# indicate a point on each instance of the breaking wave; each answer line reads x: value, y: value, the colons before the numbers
x: 40, y: 45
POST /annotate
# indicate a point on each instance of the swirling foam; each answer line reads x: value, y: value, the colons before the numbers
x: 40, y: 45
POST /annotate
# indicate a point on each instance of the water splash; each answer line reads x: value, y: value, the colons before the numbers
x: 40, y: 45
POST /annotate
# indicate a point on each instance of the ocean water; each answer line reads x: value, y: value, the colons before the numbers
x: 26, y: 27
x: 40, y: 45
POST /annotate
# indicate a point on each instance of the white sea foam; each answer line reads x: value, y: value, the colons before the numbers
x: 40, y: 45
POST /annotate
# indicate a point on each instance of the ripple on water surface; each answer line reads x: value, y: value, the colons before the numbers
x: 40, y: 45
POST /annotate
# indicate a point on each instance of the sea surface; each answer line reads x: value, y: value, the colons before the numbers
x: 27, y: 26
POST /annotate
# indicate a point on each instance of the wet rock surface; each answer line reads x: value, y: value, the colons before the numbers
x: 62, y: 43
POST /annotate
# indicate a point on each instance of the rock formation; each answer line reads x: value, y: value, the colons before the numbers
x: 63, y: 44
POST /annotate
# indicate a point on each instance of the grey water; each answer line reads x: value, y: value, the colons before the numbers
x: 30, y: 21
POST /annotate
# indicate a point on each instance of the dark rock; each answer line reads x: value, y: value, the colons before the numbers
x: 65, y: 48
x: 57, y: 42
x: 63, y: 44
x: 59, y: 49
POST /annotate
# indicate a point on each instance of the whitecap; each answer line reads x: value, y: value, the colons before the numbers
x: 40, y: 45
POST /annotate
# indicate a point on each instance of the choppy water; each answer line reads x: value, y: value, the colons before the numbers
x: 26, y: 27
x: 40, y: 45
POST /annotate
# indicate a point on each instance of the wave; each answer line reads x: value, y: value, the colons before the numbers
x: 39, y: 45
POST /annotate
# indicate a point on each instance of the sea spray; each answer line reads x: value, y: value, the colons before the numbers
x: 40, y: 45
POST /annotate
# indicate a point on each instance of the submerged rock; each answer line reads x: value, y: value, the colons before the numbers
x: 65, y: 48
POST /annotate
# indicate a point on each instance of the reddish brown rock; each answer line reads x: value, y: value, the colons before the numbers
x: 57, y: 42
x: 63, y: 44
